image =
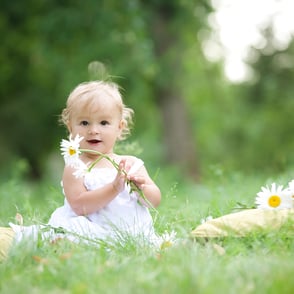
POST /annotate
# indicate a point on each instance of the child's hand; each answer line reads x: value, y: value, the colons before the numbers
x: 121, y: 177
x: 138, y: 180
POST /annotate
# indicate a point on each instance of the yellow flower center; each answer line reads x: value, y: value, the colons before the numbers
x: 274, y: 201
x: 165, y: 244
x: 72, y: 151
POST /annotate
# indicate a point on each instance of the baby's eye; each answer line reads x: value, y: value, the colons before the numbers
x: 84, y: 123
x: 104, y: 122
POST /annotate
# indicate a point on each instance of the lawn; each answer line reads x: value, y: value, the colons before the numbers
x: 259, y: 263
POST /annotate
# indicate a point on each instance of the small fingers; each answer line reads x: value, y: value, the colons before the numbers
x: 138, y: 181
x: 122, y: 165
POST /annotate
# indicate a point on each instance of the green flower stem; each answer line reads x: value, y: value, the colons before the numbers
x: 133, y: 186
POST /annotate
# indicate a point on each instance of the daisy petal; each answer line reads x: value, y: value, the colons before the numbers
x: 274, y: 198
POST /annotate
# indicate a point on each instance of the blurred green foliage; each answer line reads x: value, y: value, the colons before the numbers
x: 48, y: 47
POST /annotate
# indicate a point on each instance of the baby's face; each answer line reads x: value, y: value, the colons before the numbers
x: 100, y: 123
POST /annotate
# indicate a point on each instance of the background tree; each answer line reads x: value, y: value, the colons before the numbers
x: 262, y: 136
x: 46, y: 50
x: 153, y: 50
x: 173, y: 29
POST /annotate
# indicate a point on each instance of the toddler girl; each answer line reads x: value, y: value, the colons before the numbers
x: 99, y: 203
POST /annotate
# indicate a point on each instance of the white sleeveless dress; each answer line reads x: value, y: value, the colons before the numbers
x: 122, y: 217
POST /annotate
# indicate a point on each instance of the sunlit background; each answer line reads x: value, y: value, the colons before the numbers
x: 211, y: 82
x: 237, y: 25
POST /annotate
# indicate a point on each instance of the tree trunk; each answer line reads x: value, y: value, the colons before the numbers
x: 180, y: 148
x: 178, y: 137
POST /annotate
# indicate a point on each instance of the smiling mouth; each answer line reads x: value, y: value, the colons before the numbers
x: 94, y: 141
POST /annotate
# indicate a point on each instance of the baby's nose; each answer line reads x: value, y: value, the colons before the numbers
x: 94, y: 129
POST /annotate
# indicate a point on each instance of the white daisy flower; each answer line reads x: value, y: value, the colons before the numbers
x: 274, y: 198
x: 167, y: 239
x: 70, y: 150
x: 291, y: 186
x: 291, y: 189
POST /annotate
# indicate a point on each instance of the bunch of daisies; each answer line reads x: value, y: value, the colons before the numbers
x: 276, y: 197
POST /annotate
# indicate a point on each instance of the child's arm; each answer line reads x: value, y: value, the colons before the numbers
x: 85, y: 202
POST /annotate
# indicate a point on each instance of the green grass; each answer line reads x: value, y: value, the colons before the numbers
x: 259, y: 263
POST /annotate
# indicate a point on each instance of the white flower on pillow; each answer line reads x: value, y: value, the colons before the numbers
x: 274, y: 198
x: 291, y: 187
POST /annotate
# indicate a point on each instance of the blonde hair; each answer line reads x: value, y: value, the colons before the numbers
x: 86, y: 93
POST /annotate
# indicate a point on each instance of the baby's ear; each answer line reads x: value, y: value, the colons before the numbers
x: 122, y: 125
x: 69, y: 128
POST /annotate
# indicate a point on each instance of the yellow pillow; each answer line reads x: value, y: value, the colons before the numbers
x: 241, y: 223
x: 6, y: 239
